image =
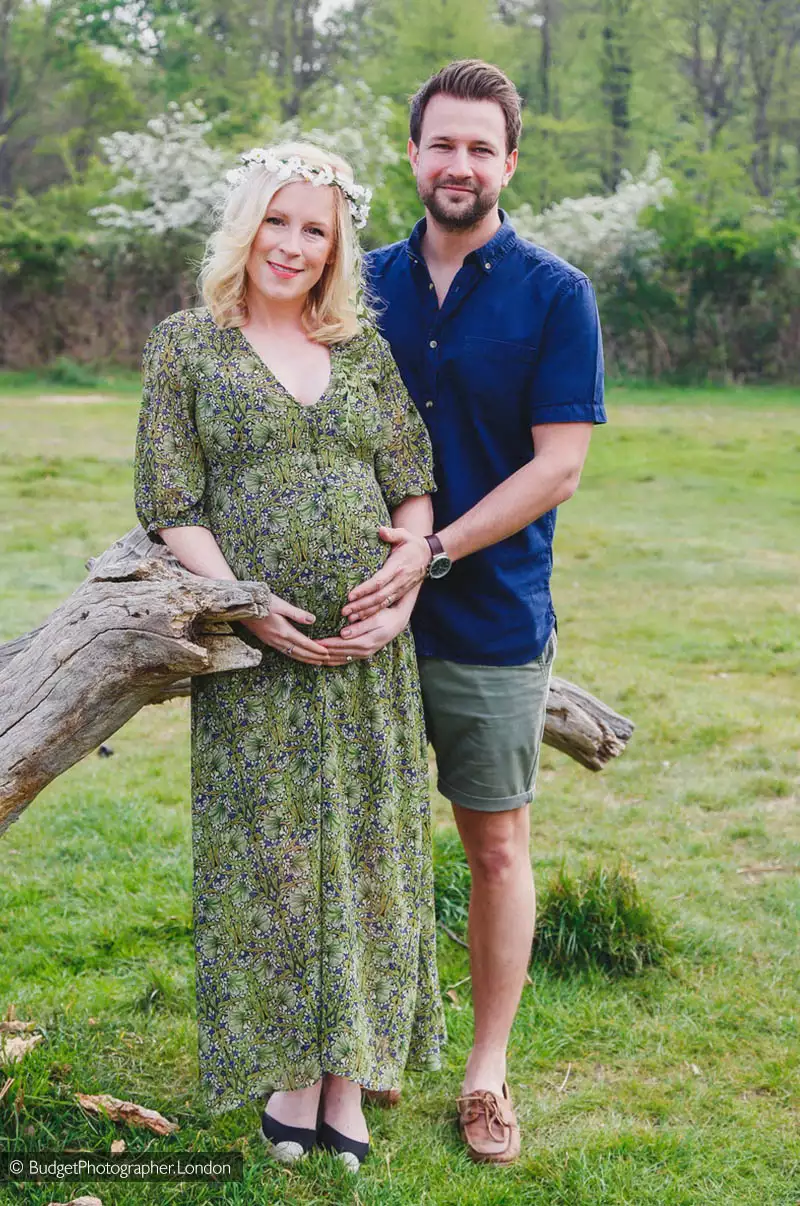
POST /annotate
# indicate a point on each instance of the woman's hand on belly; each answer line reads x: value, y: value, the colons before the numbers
x: 368, y: 636
x: 278, y: 631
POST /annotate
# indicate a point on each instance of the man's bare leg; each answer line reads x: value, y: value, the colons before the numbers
x: 501, y: 924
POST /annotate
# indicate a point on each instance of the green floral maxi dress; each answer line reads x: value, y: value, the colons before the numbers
x: 313, y: 885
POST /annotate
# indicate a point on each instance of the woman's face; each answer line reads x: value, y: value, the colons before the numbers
x: 294, y: 241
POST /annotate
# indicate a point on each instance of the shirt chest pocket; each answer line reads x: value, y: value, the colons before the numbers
x: 495, y: 368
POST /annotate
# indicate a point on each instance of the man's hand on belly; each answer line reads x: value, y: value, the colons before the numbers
x: 368, y: 636
x: 404, y: 570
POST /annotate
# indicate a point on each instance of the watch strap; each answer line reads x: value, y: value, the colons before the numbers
x: 435, y: 545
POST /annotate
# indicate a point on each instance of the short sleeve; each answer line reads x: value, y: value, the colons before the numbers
x: 170, y: 465
x: 404, y: 461
x: 567, y: 385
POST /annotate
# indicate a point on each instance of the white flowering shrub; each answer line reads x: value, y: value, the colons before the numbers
x: 169, y: 178
x: 602, y: 235
x: 169, y: 174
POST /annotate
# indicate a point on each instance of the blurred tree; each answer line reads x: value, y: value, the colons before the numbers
x: 418, y: 37
x: 57, y: 95
x: 616, y: 68
x: 715, y: 59
x: 772, y: 39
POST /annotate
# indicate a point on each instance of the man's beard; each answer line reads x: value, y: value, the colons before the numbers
x: 465, y: 217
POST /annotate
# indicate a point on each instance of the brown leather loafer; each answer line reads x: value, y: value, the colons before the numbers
x: 489, y: 1126
x: 387, y: 1098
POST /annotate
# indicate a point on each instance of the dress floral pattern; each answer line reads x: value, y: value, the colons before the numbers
x: 313, y: 884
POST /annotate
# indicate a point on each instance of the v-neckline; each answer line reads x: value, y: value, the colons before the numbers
x: 277, y: 381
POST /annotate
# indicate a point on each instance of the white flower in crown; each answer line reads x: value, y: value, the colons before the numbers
x: 358, y: 197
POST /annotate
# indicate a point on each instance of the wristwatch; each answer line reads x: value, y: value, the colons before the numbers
x: 439, y: 564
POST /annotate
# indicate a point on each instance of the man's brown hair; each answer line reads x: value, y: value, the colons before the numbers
x: 470, y: 79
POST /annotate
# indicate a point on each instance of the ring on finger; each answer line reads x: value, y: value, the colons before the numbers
x: 349, y: 657
x: 289, y: 650
x: 389, y: 601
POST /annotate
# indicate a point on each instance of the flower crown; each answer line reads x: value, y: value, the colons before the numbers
x: 358, y: 197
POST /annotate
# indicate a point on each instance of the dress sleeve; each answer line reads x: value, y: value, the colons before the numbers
x: 404, y: 461
x: 170, y: 466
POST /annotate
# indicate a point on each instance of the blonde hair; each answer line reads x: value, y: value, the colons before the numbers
x: 331, y: 314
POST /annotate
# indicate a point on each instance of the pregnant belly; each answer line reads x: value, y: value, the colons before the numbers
x: 312, y: 550
x: 320, y: 575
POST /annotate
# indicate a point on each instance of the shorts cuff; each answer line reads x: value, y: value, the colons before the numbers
x: 484, y: 803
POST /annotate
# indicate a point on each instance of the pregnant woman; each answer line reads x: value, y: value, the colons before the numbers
x: 275, y: 439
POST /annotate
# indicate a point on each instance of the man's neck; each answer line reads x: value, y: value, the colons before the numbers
x: 451, y: 247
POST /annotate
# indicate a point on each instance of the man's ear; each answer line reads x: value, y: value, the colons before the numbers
x: 413, y: 155
x: 510, y: 166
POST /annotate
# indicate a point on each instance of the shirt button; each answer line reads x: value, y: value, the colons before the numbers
x: 430, y: 286
x: 433, y: 344
x: 429, y: 404
x: 487, y: 265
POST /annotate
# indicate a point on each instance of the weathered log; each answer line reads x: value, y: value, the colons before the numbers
x: 137, y: 624
x: 583, y: 726
x: 133, y: 633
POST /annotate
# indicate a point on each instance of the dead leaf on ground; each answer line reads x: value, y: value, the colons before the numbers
x: 453, y: 995
x: 118, y: 1147
x: 6, y: 1087
x: 13, y: 1048
x: 86, y: 1200
x: 128, y: 1112
x: 14, y: 1027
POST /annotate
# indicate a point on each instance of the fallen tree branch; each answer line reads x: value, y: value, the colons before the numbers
x: 139, y: 623
x: 134, y: 633
x: 583, y: 726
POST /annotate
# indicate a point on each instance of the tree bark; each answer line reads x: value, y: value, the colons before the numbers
x: 133, y: 633
x: 136, y: 625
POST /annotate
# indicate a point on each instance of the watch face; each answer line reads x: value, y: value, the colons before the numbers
x: 440, y: 565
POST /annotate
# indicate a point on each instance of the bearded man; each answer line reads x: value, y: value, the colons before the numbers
x: 498, y: 342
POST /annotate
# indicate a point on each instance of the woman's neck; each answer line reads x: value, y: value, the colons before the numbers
x: 273, y: 315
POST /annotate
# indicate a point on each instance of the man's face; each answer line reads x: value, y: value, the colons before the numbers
x: 461, y: 162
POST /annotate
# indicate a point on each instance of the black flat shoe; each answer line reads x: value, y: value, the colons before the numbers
x: 351, y: 1152
x: 286, y: 1143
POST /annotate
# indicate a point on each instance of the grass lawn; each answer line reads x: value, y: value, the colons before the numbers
x: 676, y: 584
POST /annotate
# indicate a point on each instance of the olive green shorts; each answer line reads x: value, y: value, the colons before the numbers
x: 485, y: 724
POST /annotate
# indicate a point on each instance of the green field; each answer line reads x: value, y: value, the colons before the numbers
x: 676, y: 585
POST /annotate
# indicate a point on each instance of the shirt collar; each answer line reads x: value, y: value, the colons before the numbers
x: 485, y: 257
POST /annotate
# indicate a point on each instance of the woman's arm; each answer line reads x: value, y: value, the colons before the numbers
x: 197, y: 550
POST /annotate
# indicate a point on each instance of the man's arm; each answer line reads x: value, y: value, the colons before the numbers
x: 550, y: 478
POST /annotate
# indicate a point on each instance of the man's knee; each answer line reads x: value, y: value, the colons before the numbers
x: 496, y: 845
x: 495, y: 864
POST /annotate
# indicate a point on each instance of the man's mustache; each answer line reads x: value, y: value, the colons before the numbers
x: 456, y: 184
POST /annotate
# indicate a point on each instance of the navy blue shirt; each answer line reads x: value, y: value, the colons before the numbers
x: 516, y: 343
